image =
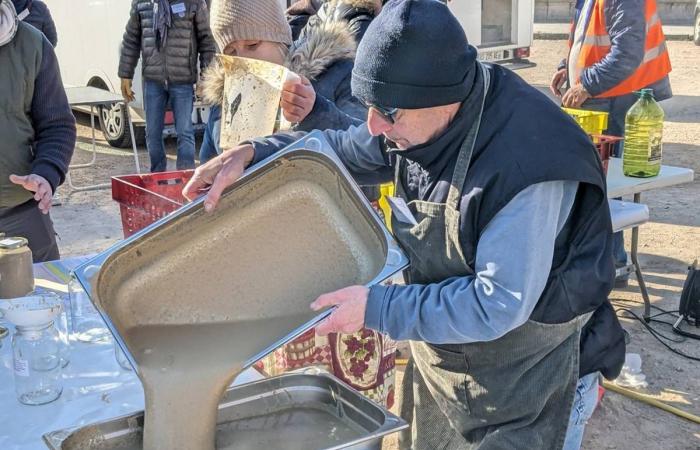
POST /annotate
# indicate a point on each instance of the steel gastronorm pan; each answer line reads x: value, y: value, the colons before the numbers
x: 293, y: 227
x: 284, y: 412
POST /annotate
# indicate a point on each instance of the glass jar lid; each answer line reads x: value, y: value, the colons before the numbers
x: 12, y: 243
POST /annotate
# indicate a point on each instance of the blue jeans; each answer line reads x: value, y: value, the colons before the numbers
x: 585, y: 401
x: 181, y: 97
x: 210, y: 143
x: 617, y: 108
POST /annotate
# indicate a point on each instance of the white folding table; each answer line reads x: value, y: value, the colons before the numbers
x: 620, y: 185
x: 94, y: 97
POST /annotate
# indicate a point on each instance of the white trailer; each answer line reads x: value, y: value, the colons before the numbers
x: 89, y: 39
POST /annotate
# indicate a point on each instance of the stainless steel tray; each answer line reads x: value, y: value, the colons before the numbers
x: 293, y: 227
x: 296, y: 411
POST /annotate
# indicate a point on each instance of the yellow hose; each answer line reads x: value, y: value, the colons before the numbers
x: 627, y: 393
x: 650, y: 401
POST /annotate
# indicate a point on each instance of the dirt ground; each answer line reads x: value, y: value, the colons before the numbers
x: 89, y: 222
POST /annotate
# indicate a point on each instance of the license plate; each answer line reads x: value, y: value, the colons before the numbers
x: 491, y: 56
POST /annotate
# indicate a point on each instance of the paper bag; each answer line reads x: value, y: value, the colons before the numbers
x: 252, y: 92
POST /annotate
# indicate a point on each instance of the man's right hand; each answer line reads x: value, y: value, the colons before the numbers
x: 558, y: 81
x: 127, y: 93
x: 217, y: 174
x: 43, y: 193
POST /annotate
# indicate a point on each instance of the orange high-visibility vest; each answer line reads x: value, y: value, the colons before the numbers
x: 596, y: 45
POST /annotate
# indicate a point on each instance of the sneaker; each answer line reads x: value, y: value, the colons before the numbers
x: 56, y: 200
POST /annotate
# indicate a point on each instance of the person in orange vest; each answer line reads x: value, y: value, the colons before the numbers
x: 616, y: 47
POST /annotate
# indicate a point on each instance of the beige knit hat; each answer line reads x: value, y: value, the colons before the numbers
x: 233, y: 20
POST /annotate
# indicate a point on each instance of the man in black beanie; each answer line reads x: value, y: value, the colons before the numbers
x: 501, y: 207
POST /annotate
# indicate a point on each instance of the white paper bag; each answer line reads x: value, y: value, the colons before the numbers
x: 252, y: 92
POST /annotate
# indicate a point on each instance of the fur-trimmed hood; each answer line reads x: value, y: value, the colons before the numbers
x: 311, y: 7
x: 309, y: 56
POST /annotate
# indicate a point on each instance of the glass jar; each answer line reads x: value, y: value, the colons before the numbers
x: 88, y: 325
x: 63, y: 330
x: 3, y: 334
x: 15, y: 267
x: 37, y: 364
x: 121, y: 357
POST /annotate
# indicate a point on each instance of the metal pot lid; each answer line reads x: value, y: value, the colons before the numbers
x: 12, y: 243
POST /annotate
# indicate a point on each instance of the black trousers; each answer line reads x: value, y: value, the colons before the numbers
x: 27, y: 221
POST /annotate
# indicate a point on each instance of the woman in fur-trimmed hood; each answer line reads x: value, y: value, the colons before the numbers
x: 323, y: 56
x: 304, y: 14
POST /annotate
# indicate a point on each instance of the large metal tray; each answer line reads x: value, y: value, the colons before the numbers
x: 293, y: 227
x: 296, y: 411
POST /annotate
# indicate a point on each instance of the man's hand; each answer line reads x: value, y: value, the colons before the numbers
x: 298, y: 98
x: 127, y: 93
x: 575, y: 97
x: 217, y: 174
x: 558, y: 81
x: 41, y: 188
x: 349, y: 317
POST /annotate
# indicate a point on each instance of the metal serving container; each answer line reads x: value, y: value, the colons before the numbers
x: 298, y: 411
x: 325, y: 234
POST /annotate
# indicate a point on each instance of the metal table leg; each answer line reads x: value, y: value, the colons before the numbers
x: 93, y: 187
x: 637, y: 267
x: 94, y: 144
x: 133, y: 137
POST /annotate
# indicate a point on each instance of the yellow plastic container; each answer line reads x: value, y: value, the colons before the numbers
x: 592, y: 122
x: 387, y: 190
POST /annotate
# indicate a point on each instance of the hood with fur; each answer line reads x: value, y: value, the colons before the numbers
x: 310, y: 56
x: 311, y: 7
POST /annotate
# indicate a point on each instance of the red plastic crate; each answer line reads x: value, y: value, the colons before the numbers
x: 605, y: 145
x: 143, y: 199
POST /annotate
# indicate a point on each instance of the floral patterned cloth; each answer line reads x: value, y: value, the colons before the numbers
x: 364, y: 360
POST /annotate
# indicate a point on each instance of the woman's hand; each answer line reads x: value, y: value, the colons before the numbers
x: 298, y: 98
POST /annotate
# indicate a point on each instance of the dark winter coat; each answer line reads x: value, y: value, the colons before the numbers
x: 36, y: 123
x: 626, y: 25
x: 39, y: 17
x: 189, y: 37
x: 308, y: 13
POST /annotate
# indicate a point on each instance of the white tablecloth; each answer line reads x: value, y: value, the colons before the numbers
x: 95, y: 387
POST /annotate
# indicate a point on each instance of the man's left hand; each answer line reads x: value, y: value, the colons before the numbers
x: 298, y: 98
x: 349, y: 316
x: 575, y: 96
x: 41, y: 188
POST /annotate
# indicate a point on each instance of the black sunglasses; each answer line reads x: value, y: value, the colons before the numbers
x: 387, y: 113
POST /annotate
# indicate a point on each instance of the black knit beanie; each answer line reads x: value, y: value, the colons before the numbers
x: 414, y: 55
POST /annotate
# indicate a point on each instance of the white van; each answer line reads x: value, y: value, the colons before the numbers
x: 500, y: 29
x: 90, y: 34
x: 89, y: 39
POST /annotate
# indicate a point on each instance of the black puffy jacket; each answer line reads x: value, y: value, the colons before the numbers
x: 39, y: 17
x: 189, y: 37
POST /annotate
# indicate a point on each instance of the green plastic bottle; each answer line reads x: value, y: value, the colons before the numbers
x: 644, y: 124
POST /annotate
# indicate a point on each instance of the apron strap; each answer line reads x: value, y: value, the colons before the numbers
x: 464, y: 158
x: 398, y: 186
